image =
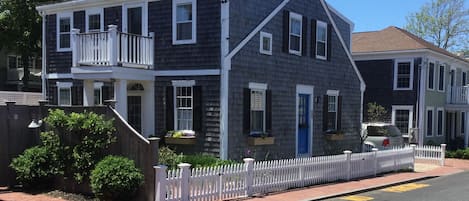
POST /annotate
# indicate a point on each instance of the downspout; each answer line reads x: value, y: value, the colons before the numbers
x: 43, y: 69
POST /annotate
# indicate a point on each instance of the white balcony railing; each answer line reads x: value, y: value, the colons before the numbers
x: 112, y: 48
x: 458, y: 95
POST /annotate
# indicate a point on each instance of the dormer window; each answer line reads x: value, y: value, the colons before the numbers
x: 184, y: 21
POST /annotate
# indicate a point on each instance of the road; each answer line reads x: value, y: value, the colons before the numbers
x: 448, y: 188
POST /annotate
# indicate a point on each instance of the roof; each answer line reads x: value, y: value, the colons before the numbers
x: 393, y: 39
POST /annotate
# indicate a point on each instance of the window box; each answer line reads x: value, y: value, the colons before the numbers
x: 185, y: 140
x: 254, y: 141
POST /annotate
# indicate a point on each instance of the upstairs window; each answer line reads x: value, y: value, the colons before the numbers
x: 441, y: 78
x: 265, y: 46
x: 321, y: 40
x: 431, y: 76
x: 295, y: 33
x: 464, y: 79
x: 64, y: 28
x: 403, y: 74
x: 184, y: 21
x: 94, y: 20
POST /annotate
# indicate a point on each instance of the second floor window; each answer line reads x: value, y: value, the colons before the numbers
x: 94, y: 20
x: 431, y: 76
x: 464, y: 78
x: 403, y: 75
x: 441, y: 78
x: 295, y: 33
x: 64, y: 27
x: 184, y: 21
x: 321, y: 40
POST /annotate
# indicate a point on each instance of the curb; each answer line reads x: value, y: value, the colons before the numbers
x: 372, y: 188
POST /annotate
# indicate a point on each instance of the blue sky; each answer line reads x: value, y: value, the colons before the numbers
x: 372, y: 15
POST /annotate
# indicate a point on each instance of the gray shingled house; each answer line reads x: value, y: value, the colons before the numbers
x: 273, y: 79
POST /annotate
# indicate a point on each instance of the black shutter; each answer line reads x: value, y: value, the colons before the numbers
x: 197, y: 114
x: 329, y: 45
x: 77, y: 95
x: 247, y: 111
x: 268, y: 111
x: 313, y: 38
x: 106, y: 93
x: 325, y: 112
x: 339, y: 113
x: 54, y: 95
x: 286, y: 30
x: 304, y: 36
x: 169, y: 108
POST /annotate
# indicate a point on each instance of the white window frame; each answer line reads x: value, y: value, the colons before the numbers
x: 194, y: 22
x: 94, y: 11
x: 64, y: 85
x: 433, y: 121
x: 431, y: 88
x: 321, y: 24
x: 125, y: 21
x: 442, y: 110
x: 411, y: 76
x: 334, y: 93
x: 261, y: 43
x: 295, y: 16
x: 444, y: 77
x: 182, y: 83
x: 259, y: 87
x: 99, y: 86
x: 410, y: 108
x: 61, y: 16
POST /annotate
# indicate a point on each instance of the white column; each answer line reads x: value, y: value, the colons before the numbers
x: 466, y: 131
x: 88, y: 93
x: 112, y: 45
x: 120, y: 94
x: 74, y: 44
x: 148, y: 108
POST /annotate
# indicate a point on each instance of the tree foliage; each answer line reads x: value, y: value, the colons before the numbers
x: 443, y: 22
x: 376, y: 112
x: 21, y: 30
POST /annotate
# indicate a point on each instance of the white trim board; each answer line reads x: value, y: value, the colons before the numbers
x: 76, y: 5
x: 200, y: 72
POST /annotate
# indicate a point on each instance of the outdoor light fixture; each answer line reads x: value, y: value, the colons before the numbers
x: 35, y: 124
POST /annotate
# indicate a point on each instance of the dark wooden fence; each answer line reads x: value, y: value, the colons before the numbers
x: 15, y: 137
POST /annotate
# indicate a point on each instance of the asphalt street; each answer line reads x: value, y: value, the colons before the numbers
x: 447, y: 188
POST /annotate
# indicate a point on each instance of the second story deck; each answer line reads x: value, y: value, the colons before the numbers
x: 458, y: 96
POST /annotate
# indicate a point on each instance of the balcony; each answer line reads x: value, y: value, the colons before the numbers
x: 112, y: 49
x: 458, y: 95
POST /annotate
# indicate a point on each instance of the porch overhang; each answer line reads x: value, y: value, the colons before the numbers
x: 111, y: 72
x: 457, y: 107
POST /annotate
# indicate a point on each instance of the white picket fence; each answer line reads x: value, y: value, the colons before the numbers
x: 254, y: 177
x: 430, y: 153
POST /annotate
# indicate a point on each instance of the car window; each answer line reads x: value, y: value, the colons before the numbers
x: 388, y: 131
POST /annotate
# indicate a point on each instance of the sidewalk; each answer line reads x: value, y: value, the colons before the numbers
x: 422, y: 171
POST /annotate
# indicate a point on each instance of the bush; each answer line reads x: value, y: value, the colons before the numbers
x: 460, y: 153
x: 204, y: 160
x: 35, y: 167
x: 169, y: 158
x: 116, y: 178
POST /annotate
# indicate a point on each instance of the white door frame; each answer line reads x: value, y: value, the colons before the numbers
x: 144, y: 6
x: 304, y: 89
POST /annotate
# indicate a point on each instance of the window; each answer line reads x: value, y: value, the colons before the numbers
x: 94, y: 20
x: 295, y: 31
x: 64, y: 93
x: 183, y: 98
x: 332, y: 114
x: 184, y: 21
x: 431, y: 76
x: 12, y: 62
x: 403, y: 74
x: 265, y: 46
x: 440, y: 121
x: 464, y: 79
x: 64, y: 28
x: 429, y: 122
x: 257, y: 107
x: 402, y: 117
x: 441, y: 78
x: 463, y: 122
x: 321, y: 40
x: 98, y: 93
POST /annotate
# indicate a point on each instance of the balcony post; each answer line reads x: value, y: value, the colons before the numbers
x: 74, y: 44
x: 112, y: 45
x: 152, y: 49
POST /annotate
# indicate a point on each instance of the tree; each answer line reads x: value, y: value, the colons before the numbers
x: 376, y: 112
x: 21, y: 30
x: 443, y: 22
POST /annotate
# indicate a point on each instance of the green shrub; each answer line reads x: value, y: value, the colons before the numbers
x: 35, y: 167
x: 460, y: 153
x: 116, y: 178
x: 204, y: 160
x: 169, y: 158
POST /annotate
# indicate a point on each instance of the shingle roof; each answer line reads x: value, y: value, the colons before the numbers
x: 393, y: 39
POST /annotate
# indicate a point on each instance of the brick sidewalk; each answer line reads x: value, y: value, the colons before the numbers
x: 452, y: 166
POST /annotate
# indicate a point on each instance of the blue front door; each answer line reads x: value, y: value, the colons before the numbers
x: 303, y: 125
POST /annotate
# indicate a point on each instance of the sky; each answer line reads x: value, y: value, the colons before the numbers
x: 373, y: 15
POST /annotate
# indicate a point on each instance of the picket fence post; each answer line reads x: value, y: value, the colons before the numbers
x: 348, y: 154
x: 160, y: 179
x: 375, y: 155
x: 249, y: 165
x: 413, y: 146
x: 443, y: 153
x: 185, y: 176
